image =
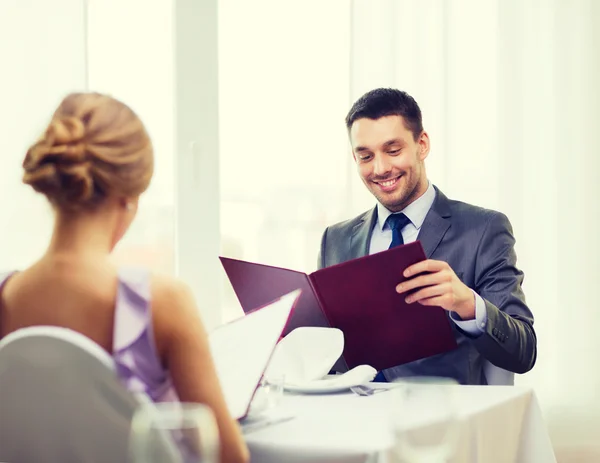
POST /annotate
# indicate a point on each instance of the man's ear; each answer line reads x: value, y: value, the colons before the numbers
x: 424, y: 145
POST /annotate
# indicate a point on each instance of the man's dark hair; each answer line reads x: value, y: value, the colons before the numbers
x: 383, y: 102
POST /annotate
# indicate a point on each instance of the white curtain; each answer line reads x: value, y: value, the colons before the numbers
x: 509, y: 95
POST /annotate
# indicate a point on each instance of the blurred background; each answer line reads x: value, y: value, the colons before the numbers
x: 246, y: 111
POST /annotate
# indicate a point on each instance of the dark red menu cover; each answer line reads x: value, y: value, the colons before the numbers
x: 359, y: 297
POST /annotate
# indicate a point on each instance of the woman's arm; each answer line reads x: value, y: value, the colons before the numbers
x: 183, y: 346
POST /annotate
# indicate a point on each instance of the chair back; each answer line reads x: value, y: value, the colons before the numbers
x: 61, y: 400
x: 496, y: 376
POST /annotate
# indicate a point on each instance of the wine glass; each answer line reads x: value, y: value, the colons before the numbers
x: 174, y: 432
x: 424, y: 419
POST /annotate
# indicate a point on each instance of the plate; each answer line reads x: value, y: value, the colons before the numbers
x: 313, y: 388
x: 359, y: 375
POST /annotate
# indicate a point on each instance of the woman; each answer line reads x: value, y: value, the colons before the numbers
x: 93, y: 162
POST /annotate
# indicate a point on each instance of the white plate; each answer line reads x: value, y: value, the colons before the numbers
x: 359, y: 375
x: 313, y: 388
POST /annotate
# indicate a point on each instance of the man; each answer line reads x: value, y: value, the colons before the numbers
x: 470, y: 269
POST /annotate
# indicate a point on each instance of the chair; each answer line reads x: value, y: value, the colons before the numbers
x: 496, y: 376
x: 61, y: 400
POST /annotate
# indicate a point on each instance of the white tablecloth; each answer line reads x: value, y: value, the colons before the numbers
x: 501, y: 424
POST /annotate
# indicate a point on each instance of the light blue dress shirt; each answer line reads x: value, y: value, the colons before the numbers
x: 381, y: 238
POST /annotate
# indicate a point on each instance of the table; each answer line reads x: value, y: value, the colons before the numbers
x: 500, y: 424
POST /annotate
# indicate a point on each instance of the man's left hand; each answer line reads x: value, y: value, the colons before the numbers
x: 439, y: 286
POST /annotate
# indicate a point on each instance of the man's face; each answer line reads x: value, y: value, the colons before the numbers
x: 390, y: 162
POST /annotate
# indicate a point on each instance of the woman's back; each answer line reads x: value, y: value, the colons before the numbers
x: 112, y: 308
x: 65, y: 292
x: 93, y: 162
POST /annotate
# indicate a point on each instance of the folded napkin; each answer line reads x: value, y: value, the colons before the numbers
x: 307, y: 354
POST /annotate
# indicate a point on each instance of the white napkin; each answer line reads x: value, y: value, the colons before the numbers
x: 307, y: 354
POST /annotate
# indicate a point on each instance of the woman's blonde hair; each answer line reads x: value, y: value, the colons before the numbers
x: 94, y: 147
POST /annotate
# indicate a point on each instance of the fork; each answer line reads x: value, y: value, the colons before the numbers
x: 364, y: 390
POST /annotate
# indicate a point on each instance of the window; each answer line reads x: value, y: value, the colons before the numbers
x: 43, y: 58
x: 284, y: 157
x: 137, y: 67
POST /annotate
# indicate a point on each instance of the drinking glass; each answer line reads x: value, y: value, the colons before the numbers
x: 268, y: 395
x: 424, y: 419
x: 174, y: 433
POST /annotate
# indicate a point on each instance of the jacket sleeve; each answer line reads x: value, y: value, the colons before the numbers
x: 508, y: 341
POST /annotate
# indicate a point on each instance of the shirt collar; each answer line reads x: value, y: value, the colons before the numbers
x: 415, y: 211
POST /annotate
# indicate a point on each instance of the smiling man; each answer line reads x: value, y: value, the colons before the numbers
x: 470, y: 269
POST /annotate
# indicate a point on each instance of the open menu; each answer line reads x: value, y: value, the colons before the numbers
x: 242, y: 349
x: 358, y: 297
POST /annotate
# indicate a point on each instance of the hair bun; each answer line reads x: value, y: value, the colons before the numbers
x: 57, y: 165
x: 65, y: 130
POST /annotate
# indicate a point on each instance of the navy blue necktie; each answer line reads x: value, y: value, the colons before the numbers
x: 396, y: 222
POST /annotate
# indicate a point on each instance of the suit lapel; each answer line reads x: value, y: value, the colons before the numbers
x: 436, y: 224
x: 361, y: 234
x: 432, y: 231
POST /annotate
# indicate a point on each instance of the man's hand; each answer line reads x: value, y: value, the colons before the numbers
x: 439, y: 286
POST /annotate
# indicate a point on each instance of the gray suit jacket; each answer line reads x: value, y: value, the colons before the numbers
x: 479, y: 246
